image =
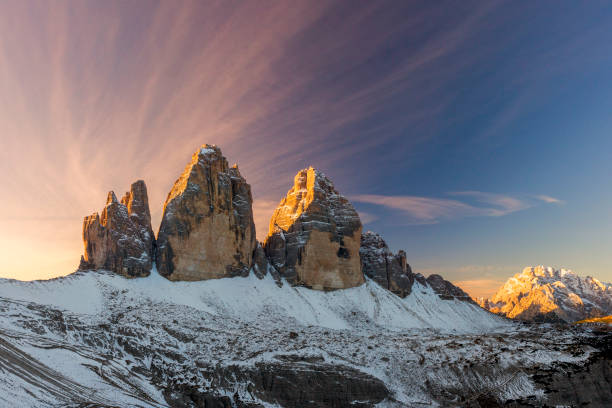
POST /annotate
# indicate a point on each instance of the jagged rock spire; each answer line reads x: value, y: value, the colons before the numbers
x: 385, y: 268
x: 121, y: 239
x: 207, y: 229
x: 315, y: 234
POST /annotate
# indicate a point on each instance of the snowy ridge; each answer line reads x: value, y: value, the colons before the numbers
x: 251, y: 299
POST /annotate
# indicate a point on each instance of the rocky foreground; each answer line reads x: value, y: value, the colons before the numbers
x: 97, y: 339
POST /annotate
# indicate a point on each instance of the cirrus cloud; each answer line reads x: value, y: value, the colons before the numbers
x: 427, y: 210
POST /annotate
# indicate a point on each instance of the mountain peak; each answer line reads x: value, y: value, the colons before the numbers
x: 313, y: 193
x: 547, y: 293
x: 111, y: 198
x: 315, y: 234
x: 121, y: 240
x: 382, y: 266
x: 207, y: 229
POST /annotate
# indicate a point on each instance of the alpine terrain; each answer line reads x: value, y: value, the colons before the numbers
x: 545, y: 294
x: 321, y: 314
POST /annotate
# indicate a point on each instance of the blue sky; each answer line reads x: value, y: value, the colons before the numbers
x: 474, y: 135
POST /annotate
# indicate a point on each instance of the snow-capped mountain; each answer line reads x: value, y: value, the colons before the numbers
x: 543, y: 293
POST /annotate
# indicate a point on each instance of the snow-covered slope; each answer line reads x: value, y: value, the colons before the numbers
x: 260, y: 300
x: 97, y: 339
x: 545, y: 293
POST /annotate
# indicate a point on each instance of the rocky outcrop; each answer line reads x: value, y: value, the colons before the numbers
x: 207, y: 229
x: 121, y: 240
x: 262, y: 265
x: 304, y: 383
x: 545, y: 294
x: 315, y: 235
x: 447, y: 290
x: 382, y: 266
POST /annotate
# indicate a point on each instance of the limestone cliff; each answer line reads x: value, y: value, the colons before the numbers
x: 382, y: 266
x: 315, y: 235
x: 121, y: 240
x: 207, y: 229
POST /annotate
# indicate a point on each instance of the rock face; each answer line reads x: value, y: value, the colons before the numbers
x: 315, y: 235
x: 545, y: 294
x: 381, y: 265
x: 121, y: 240
x: 447, y: 290
x: 262, y: 265
x: 207, y: 229
x: 305, y: 383
x: 393, y: 273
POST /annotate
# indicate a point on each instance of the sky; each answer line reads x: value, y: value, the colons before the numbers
x: 474, y: 135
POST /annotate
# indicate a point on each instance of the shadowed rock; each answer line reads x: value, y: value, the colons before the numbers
x: 121, y: 239
x: 447, y: 290
x: 262, y: 265
x: 207, y: 229
x: 315, y: 234
x: 385, y: 268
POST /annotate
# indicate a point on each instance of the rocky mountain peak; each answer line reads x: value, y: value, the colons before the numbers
x: 313, y: 196
x: 207, y: 229
x: 387, y: 269
x: 207, y: 156
x: 137, y: 202
x: 111, y: 198
x: 545, y: 293
x: 446, y: 290
x: 315, y: 234
x: 121, y: 240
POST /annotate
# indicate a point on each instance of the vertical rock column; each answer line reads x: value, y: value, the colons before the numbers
x: 121, y: 239
x: 315, y: 235
x: 381, y: 265
x: 207, y: 229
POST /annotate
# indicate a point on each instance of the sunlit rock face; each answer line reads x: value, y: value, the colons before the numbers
x: 121, y: 239
x: 545, y: 294
x: 207, y: 229
x: 315, y: 235
x: 387, y: 269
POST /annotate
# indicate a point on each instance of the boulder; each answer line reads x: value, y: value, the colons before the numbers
x: 207, y: 229
x: 315, y: 234
x: 382, y: 266
x: 121, y: 239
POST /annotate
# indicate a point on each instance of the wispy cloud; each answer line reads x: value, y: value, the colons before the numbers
x: 98, y: 94
x: 549, y: 199
x: 427, y: 210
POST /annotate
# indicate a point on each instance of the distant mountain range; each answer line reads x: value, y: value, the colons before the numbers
x: 546, y: 294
